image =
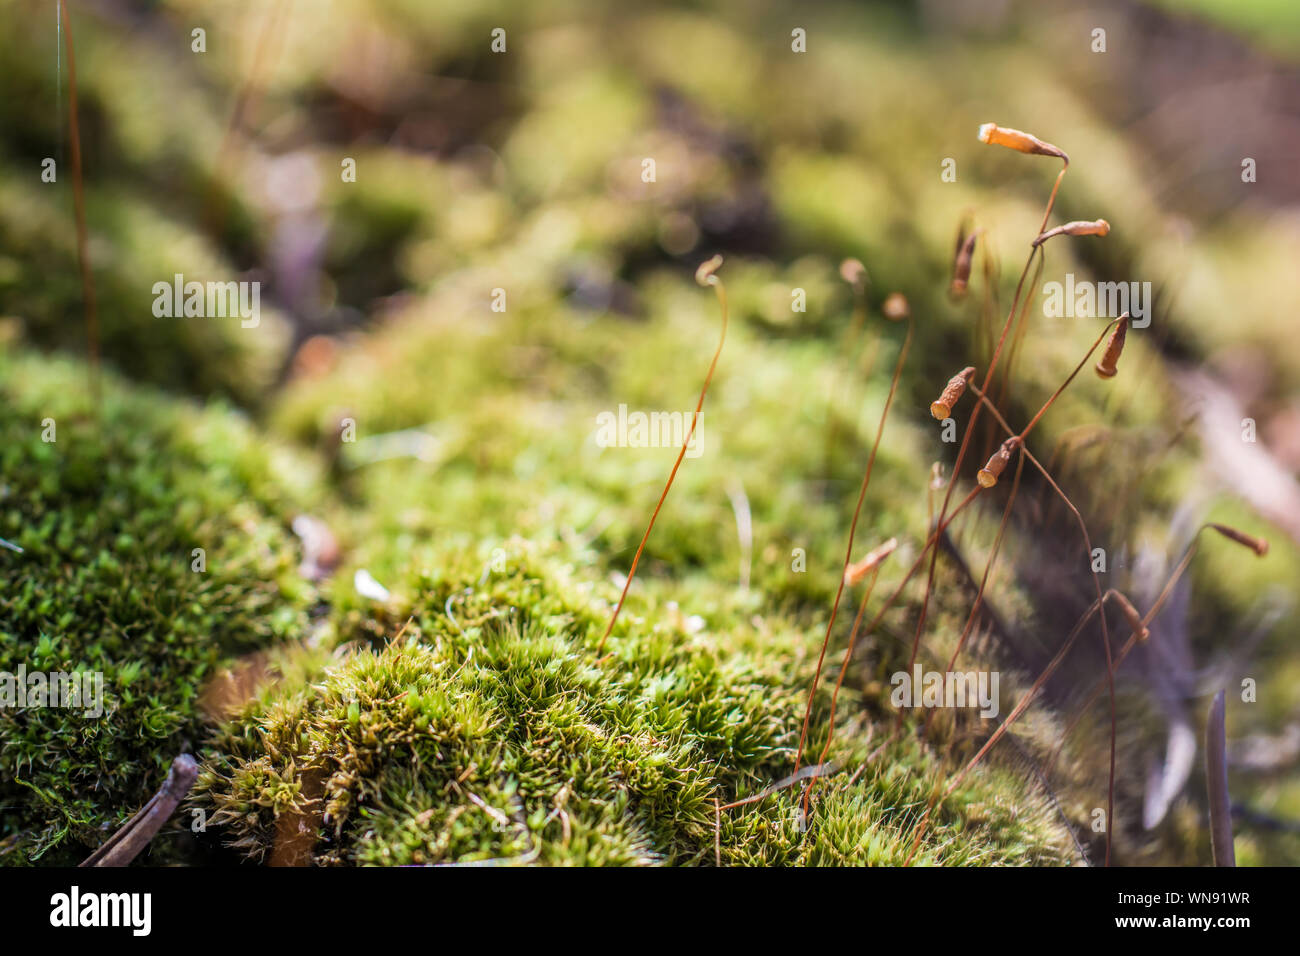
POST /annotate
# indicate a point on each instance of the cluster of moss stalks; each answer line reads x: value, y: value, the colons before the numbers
x: 464, y: 718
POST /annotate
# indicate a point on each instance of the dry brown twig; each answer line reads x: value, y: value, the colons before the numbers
x: 134, y: 835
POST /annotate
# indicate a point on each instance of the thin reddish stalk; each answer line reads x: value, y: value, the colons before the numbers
x: 79, y: 204
x: 916, y: 566
x: 246, y: 100
x: 1068, y: 379
x: 1051, y: 200
x: 853, y: 528
x: 839, y: 682
x: 988, y: 569
x: 961, y: 455
x: 699, y: 406
x: 1018, y: 334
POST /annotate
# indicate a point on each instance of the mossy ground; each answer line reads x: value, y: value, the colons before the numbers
x: 108, y: 500
x: 467, y: 717
x: 486, y: 729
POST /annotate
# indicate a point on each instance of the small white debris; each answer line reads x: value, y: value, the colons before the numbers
x: 368, y: 587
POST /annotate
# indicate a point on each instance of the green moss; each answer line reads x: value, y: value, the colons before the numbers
x: 108, y: 514
x: 487, y: 729
x: 509, y: 405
